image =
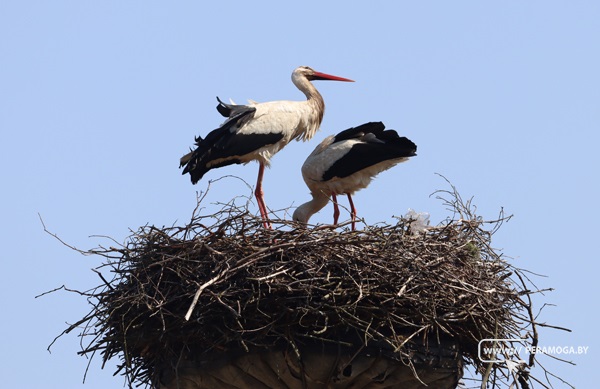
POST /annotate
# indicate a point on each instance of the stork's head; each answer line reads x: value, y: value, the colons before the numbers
x: 301, y: 216
x: 311, y: 75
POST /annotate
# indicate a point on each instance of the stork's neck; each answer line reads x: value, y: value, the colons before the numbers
x: 313, y: 97
x: 305, y: 211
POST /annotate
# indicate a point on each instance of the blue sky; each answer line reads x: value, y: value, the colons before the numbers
x: 98, y: 100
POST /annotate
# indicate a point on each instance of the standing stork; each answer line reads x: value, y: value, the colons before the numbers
x: 347, y: 162
x: 257, y: 131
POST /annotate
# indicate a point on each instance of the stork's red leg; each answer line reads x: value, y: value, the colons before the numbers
x: 352, y: 212
x: 259, y: 194
x: 336, y: 210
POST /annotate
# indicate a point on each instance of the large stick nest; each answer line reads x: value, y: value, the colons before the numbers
x: 243, y: 287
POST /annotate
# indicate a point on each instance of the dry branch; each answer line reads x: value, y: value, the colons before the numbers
x: 222, y: 282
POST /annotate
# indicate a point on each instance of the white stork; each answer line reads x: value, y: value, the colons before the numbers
x: 347, y: 162
x: 259, y: 130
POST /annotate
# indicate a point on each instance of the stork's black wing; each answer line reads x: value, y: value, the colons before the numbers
x: 218, y: 144
x: 373, y: 149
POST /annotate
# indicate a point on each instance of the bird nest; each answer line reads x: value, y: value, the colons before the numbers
x: 223, y: 283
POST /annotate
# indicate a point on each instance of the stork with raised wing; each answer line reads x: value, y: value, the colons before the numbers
x: 257, y: 131
x: 347, y: 162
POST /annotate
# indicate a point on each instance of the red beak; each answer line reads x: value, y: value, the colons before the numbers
x: 325, y: 76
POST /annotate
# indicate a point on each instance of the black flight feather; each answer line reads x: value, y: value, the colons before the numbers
x: 229, y: 110
x: 359, y: 131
